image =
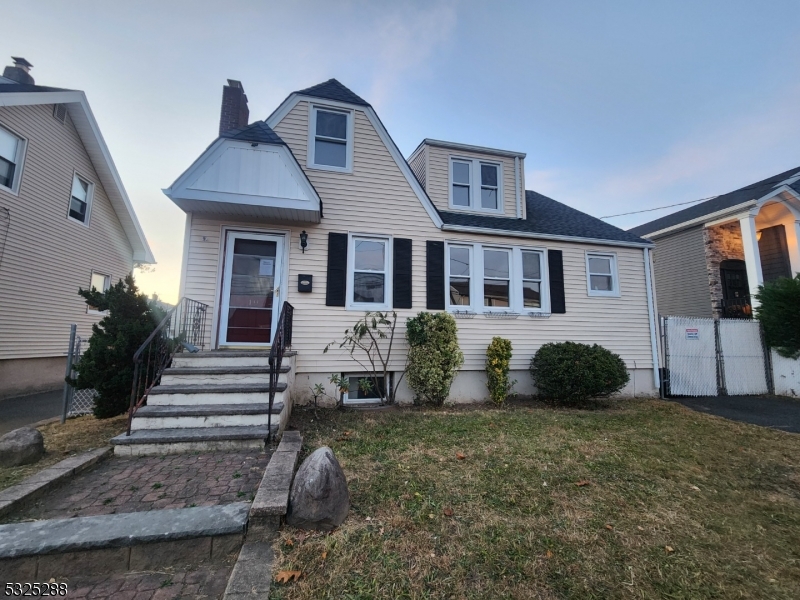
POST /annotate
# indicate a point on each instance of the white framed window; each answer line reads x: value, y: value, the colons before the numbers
x: 80, y: 201
x: 330, y: 139
x: 601, y: 274
x: 459, y: 276
x: 476, y: 185
x: 532, y: 262
x: 490, y: 279
x: 100, y: 283
x: 369, y: 276
x: 496, y: 278
x: 12, y: 153
x: 362, y: 388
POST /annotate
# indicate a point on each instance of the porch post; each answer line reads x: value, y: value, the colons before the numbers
x: 752, y: 258
x: 794, y: 247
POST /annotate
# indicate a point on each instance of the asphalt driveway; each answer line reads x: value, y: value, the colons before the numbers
x: 24, y: 410
x: 778, y: 412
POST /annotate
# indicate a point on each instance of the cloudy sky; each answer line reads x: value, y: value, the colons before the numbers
x: 620, y: 105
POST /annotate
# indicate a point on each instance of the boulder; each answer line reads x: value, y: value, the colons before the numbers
x: 21, y: 447
x: 319, y: 498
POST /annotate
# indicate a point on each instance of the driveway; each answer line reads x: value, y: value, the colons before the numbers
x: 778, y: 412
x: 24, y: 410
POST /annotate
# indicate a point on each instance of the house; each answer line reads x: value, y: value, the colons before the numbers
x: 315, y: 205
x: 65, y: 223
x: 710, y: 258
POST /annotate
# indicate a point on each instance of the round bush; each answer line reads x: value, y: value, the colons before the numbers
x: 571, y: 373
x: 434, y: 356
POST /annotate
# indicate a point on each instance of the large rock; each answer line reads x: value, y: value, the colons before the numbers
x: 319, y: 498
x: 21, y: 447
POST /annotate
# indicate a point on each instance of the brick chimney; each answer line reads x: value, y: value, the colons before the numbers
x: 20, y: 72
x: 234, y: 113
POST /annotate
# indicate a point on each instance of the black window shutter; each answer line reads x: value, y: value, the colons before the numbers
x: 555, y: 264
x: 401, y: 284
x: 336, y: 286
x: 435, y: 275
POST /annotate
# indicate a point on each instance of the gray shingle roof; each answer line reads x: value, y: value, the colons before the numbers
x: 333, y: 90
x: 7, y: 88
x: 547, y: 217
x: 258, y: 132
x: 754, y: 191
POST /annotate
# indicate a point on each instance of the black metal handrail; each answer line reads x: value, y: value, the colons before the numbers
x: 281, y: 341
x: 183, y: 327
x: 736, y: 308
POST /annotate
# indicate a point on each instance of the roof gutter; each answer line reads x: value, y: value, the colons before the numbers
x: 545, y: 236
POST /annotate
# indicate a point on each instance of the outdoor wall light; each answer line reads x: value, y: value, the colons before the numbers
x: 758, y: 235
x: 303, y: 241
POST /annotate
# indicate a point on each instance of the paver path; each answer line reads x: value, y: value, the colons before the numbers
x: 203, y: 582
x: 122, y: 485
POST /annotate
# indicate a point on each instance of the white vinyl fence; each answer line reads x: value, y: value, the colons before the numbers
x: 786, y: 375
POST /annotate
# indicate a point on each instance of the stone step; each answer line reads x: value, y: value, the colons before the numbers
x: 190, y: 416
x: 201, y: 439
x: 225, y: 358
x: 140, y: 541
x: 220, y: 375
x: 251, y: 393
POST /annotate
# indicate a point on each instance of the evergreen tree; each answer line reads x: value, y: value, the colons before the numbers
x: 779, y: 313
x: 107, y: 364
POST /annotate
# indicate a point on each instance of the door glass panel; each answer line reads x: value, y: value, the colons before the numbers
x: 252, y: 287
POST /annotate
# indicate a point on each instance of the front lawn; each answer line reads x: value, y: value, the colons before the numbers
x: 645, y: 500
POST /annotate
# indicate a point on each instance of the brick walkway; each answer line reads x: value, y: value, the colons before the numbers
x: 122, y: 485
x: 204, y: 582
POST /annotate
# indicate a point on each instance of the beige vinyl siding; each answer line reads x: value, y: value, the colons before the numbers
x: 376, y: 198
x: 47, y: 256
x: 681, y: 275
x: 417, y: 164
x: 438, y: 177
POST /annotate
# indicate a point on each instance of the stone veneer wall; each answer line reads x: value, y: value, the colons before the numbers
x: 722, y: 242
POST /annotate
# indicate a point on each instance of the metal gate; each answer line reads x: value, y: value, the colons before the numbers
x: 709, y: 357
x: 76, y: 402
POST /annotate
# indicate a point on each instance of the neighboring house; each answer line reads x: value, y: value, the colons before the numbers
x: 452, y: 228
x: 711, y: 258
x: 65, y: 223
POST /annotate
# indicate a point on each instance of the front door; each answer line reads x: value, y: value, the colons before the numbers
x: 250, y: 289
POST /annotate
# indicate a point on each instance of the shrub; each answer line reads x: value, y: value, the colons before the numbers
x: 572, y: 373
x: 434, y: 356
x: 498, y: 364
x: 107, y: 364
x: 779, y: 314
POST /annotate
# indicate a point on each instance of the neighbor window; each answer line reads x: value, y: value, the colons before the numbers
x: 476, y: 185
x: 11, y: 151
x: 496, y: 278
x: 100, y: 283
x: 369, y: 279
x: 601, y: 274
x: 460, y: 275
x: 80, y: 200
x: 486, y: 279
x: 331, y: 139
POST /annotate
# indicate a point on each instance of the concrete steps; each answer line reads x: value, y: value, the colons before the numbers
x: 211, y: 401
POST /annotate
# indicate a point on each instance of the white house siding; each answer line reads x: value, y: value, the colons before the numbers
x: 47, y: 256
x: 681, y: 275
x: 437, y: 178
x: 376, y: 198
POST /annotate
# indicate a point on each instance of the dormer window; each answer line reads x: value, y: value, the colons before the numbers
x: 476, y: 185
x: 330, y: 144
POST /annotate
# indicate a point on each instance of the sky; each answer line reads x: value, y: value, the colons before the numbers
x: 620, y: 105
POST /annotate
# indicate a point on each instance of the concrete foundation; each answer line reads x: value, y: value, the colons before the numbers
x: 22, y: 376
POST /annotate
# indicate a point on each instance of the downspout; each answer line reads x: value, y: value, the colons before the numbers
x: 516, y: 184
x: 648, y: 280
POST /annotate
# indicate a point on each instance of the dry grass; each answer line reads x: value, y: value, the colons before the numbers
x: 676, y: 505
x: 60, y: 441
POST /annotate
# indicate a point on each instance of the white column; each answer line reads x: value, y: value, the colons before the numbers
x: 793, y: 241
x: 752, y: 258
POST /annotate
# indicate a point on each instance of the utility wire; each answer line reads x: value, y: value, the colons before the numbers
x: 636, y: 212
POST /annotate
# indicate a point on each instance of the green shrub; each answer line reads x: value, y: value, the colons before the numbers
x: 779, y: 314
x: 572, y: 373
x: 107, y: 364
x: 434, y: 356
x: 498, y: 364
